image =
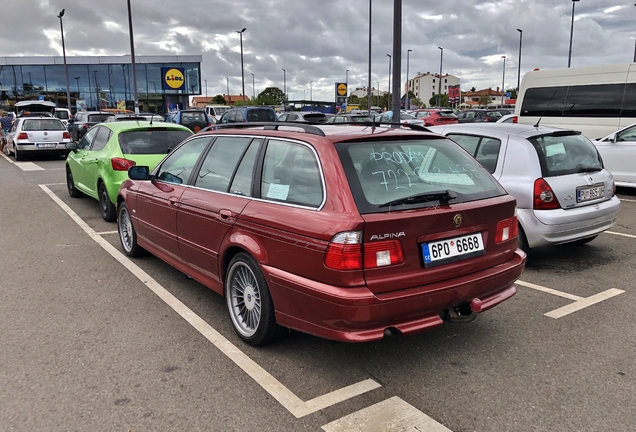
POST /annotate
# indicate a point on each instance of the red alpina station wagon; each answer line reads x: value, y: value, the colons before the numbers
x: 351, y: 233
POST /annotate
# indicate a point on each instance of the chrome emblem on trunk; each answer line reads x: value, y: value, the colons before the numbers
x: 457, y: 220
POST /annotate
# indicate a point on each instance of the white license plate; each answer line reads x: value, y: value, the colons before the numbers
x: 590, y: 193
x: 46, y: 145
x: 453, y: 249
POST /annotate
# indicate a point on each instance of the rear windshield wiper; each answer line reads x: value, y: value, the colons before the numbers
x: 442, y: 196
x: 584, y: 169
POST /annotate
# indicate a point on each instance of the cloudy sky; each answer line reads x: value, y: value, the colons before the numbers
x: 318, y: 40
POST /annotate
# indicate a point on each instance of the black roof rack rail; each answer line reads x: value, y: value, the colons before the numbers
x: 308, y: 128
x: 372, y: 123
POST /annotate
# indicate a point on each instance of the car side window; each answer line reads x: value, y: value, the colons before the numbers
x: 87, y: 139
x: 177, y: 167
x: 102, y: 137
x: 627, y: 135
x: 232, y: 116
x: 283, y: 117
x: 220, y: 163
x: 467, y: 142
x: 242, y: 182
x: 291, y: 174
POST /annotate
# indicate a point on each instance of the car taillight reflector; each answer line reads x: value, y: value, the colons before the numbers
x: 121, y: 164
x: 544, y: 198
x: 515, y: 119
x: 507, y: 229
x: 345, y: 251
x: 66, y: 135
x: 383, y: 253
x: 23, y: 136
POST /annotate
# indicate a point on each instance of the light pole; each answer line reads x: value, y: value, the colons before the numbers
x: 388, y: 95
x: 285, y: 83
x: 519, y: 63
x: 242, y: 67
x: 406, y: 104
x: 378, y: 95
x: 347, y: 85
x: 369, y: 83
x: 441, y: 61
x: 229, y: 99
x: 503, y: 81
x: 68, y: 91
x: 132, y: 60
x: 206, y: 91
x: 571, y: 33
x: 634, y: 45
x: 253, y: 88
x: 311, y: 92
x: 78, y: 89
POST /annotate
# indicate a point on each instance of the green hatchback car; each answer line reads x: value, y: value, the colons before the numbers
x: 98, y: 164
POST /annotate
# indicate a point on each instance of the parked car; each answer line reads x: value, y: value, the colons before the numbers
x: 248, y: 114
x: 193, y: 119
x: 564, y: 194
x: 405, y: 118
x: 478, y: 116
x: 82, y: 121
x: 436, y: 117
x: 127, y: 117
x: 351, y: 234
x: 508, y: 118
x: 216, y: 111
x: 618, y: 151
x: 350, y: 118
x: 63, y: 114
x: 99, y: 163
x: 36, y: 135
x: 303, y: 116
x: 34, y: 108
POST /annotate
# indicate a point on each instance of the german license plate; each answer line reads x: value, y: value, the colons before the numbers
x: 46, y: 145
x: 453, y: 249
x: 590, y: 193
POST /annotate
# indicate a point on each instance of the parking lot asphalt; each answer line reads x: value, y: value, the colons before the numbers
x: 91, y: 341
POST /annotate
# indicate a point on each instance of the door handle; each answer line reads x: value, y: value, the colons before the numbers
x: 226, y: 214
x: 173, y: 201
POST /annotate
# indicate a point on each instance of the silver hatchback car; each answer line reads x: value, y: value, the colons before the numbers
x: 564, y: 194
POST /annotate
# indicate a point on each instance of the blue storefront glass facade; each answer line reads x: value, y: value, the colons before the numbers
x: 98, y: 82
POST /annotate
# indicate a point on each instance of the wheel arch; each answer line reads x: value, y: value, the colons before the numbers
x: 235, y: 243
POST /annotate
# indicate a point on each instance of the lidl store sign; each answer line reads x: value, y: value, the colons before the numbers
x: 173, y: 78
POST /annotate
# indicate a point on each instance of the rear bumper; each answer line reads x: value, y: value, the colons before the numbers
x: 32, y: 148
x: 358, y: 315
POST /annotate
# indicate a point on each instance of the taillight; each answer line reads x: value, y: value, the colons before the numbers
x: 85, y: 126
x: 345, y: 251
x: 383, y: 253
x: 515, y: 119
x: 121, y: 164
x: 66, y: 135
x: 23, y: 136
x: 544, y: 198
x: 507, y: 229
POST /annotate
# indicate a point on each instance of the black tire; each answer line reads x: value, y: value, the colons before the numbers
x: 522, y: 241
x: 582, y: 241
x: 16, y: 154
x: 249, y: 302
x: 70, y: 184
x: 106, y: 207
x: 127, y: 233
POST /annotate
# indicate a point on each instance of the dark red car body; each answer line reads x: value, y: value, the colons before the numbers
x: 436, y: 117
x: 200, y: 231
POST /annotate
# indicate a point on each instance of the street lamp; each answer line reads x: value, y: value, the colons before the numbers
x: 378, y: 95
x: 441, y: 60
x: 406, y: 104
x: 571, y: 33
x: 311, y: 93
x: 206, y: 91
x: 347, y: 85
x: 78, y: 88
x: 68, y: 91
x: 229, y: 99
x: 242, y: 67
x: 369, y: 83
x: 132, y: 60
x: 253, y: 91
x: 503, y: 81
x: 285, y: 83
x: 519, y: 63
x: 388, y: 95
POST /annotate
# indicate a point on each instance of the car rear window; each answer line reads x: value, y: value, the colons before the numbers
x: 316, y: 117
x: 50, y: 124
x: 61, y: 115
x: 98, y: 118
x: 446, y: 114
x: 562, y: 154
x: 383, y: 171
x: 151, y: 141
x: 493, y: 114
x: 258, y: 115
x: 191, y: 117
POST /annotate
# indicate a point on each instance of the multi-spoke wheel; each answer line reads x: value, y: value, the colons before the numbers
x: 249, y: 302
x: 127, y: 234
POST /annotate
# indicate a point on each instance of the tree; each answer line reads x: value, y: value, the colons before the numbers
x: 484, y: 100
x: 473, y: 89
x: 271, y: 96
x: 219, y: 100
x: 443, y: 101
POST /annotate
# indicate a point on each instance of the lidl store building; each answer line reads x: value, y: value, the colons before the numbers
x: 163, y: 82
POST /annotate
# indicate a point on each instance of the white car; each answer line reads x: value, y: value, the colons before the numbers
x: 404, y: 118
x: 618, y: 151
x: 508, y: 118
x: 37, y: 134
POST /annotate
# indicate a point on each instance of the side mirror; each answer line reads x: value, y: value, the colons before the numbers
x: 139, y: 173
x: 71, y: 146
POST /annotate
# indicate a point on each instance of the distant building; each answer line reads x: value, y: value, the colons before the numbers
x: 471, y: 99
x: 426, y: 85
x: 362, y: 92
x: 200, y: 101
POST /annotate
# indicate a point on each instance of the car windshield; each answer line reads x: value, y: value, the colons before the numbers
x: 49, y: 124
x: 493, y: 114
x: 258, y: 115
x: 413, y: 173
x: 98, y: 118
x: 406, y: 116
x: 561, y: 154
x: 359, y: 119
x: 191, y: 117
x: 63, y: 115
x: 151, y: 141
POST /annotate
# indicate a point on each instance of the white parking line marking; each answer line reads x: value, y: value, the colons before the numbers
x: 390, y: 415
x: 579, y: 302
x: 583, y: 303
x: 106, y: 232
x: 621, y: 234
x: 627, y: 200
x: 271, y: 385
x: 7, y: 158
x: 53, y: 184
x: 28, y: 166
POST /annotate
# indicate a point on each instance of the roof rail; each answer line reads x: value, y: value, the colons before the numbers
x: 373, y: 124
x: 308, y: 128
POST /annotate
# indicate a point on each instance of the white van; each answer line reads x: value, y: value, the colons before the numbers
x: 63, y: 114
x: 595, y: 100
x: 216, y: 110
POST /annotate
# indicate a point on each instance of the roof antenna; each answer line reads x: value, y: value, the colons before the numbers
x: 152, y: 116
x: 546, y: 107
